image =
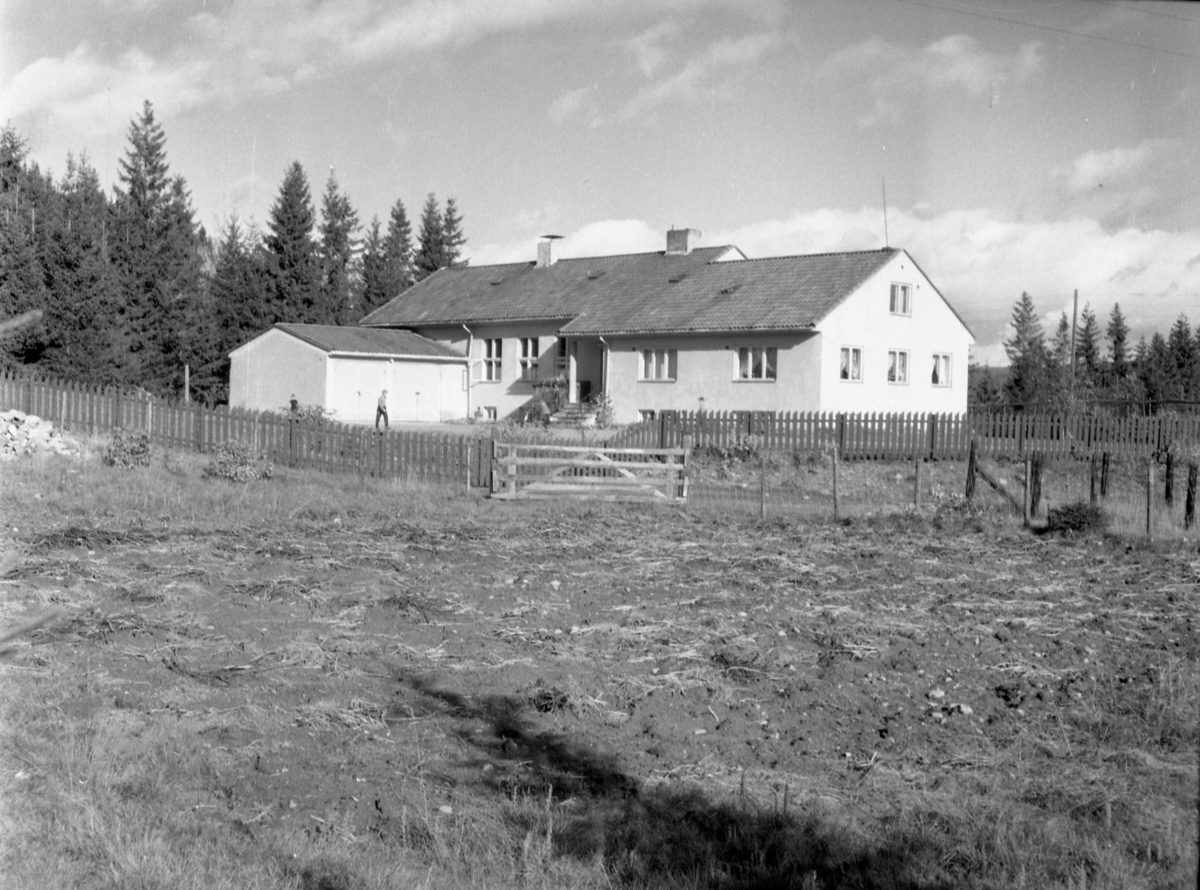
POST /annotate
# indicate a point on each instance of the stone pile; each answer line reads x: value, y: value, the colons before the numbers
x: 27, y: 434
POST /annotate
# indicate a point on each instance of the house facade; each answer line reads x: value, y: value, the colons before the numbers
x: 345, y: 369
x: 697, y: 328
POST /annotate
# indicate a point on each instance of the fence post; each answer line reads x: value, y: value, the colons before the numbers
x: 917, y: 484
x: 762, y: 484
x: 933, y: 430
x: 1028, y: 488
x: 1035, y: 495
x: 1169, y: 480
x: 1092, y: 480
x: 972, y: 458
x: 841, y: 436
x: 835, y: 485
x: 1189, y: 501
x: 1149, y: 498
x: 1105, y: 460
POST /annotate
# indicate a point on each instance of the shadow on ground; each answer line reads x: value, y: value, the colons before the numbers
x: 651, y: 836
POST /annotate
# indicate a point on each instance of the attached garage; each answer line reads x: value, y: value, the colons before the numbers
x: 344, y: 369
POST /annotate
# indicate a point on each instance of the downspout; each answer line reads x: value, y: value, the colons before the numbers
x: 470, y: 343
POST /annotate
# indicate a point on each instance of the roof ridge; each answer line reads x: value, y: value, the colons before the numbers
x: 804, y: 256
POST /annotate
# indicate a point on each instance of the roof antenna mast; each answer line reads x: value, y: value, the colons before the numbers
x: 886, y: 244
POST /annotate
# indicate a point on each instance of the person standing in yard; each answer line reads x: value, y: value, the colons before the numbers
x: 381, y: 410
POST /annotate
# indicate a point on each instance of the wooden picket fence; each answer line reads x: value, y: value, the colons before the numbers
x: 467, y: 459
x: 879, y: 436
x: 313, y: 443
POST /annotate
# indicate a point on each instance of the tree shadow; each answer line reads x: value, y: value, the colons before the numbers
x: 652, y: 836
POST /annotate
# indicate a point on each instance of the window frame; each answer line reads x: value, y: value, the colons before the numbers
x: 748, y: 358
x: 848, y: 353
x: 905, y: 291
x: 898, y: 365
x: 493, y: 359
x: 946, y: 363
x: 562, y: 360
x: 663, y: 362
x: 528, y: 359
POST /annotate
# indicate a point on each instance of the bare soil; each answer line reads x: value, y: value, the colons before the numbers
x: 351, y: 670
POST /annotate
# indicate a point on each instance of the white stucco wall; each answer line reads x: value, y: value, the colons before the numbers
x: 265, y: 372
x: 509, y: 393
x: 864, y: 320
x: 707, y: 367
x: 418, y: 390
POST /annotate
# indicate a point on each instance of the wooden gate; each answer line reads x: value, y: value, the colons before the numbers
x: 604, y: 474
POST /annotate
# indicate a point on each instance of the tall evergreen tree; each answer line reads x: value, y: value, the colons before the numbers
x: 431, y: 249
x: 291, y: 251
x: 1087, y: 347
x: 1155, y: 370
x: 22, y: 285
x: 453, y: 238
x: 243, y: 304
x: 1026, y: 351
x: 156, y: 252
x: 85, y: 297
x: 374, y: 292
x: 398, y: 252
x: 339, y: 270
x: 1118, y: 343
x: 1183, y: 360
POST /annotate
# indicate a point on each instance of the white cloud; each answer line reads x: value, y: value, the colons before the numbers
x: 702, y: 76
x: 1125, y: 186
x: 981, y: 262
x: 571, y: 103
x: 897, y: 75
x: 1099, y: 168
x: 647, y: 49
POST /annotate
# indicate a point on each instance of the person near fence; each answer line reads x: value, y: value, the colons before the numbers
x: 294, y: 404
x: 381, y: 410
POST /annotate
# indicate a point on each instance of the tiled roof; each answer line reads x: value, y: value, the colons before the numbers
x: 523, y: 291
x: 369, y: 341
x: 777, y: 293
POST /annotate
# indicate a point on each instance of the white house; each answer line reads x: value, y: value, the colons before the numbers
x: 344, y: 370
x: 697, y: 327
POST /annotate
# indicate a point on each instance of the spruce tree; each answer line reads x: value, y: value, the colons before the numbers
x: 291, y: 251
x: 243, y: 304
x: 398, y: 275
x: 453, y: 238
x: 339, y: 271
x: 1183, y: 360
x: 1026, y: 351
x: 155, y: 248
x: 1118, y: 343
x: 374, y: 292
x: 1087, y: 346
x: 431, y: 252
x: 85, y: 298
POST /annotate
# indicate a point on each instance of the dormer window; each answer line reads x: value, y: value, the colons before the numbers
x: 901, y: 299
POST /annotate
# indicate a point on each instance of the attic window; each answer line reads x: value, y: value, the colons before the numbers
x: 592, y: 276
x: 732, y: 289
x: 495, y: 281
x: 678, y: 277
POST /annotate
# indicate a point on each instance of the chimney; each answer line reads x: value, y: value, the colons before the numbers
x: 681, y: 241
x: 544, y: 258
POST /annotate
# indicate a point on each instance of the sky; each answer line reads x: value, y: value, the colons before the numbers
x: 1045, y: 146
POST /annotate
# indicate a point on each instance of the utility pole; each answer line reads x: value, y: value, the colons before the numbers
x: 1074, y: 318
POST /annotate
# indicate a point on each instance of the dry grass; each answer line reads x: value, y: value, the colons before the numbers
x: 1096, y: 793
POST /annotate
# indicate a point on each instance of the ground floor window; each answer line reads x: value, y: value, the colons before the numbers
x: 658, y: 364
x: 529, y: 358
x: 897, y: 366
x: 851, y: 363
x: 941, y: 369
x: 756, y: 363
x: 493, y: 350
